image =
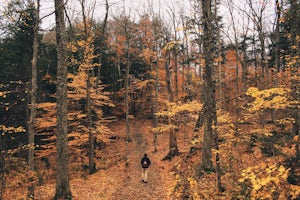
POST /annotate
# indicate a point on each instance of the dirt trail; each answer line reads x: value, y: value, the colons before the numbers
x: 120, y: 181
x: 132, y: 187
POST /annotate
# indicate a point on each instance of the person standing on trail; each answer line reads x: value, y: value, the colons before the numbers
x: 145, y: 162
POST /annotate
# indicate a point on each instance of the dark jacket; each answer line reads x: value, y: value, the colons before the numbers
x: 145, y: 162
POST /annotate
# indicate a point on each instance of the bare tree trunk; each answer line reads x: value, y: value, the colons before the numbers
x: 176, y: 74
x: 295, y: 83
x: 237, y: 110
x: 62, y: 172
x: 244, y: 63
x: 128, y: 138
x: 156, y: 99
x: 127, y: 48
x: 168, y: 78
x: 92, y: 165
x: 277, y: 36
x: 173, y: 149
x: 101, y: 41
x: 174, y: 51
x: 33, y: 94
x: 255, y: 61
x: 127, y: 97
x: 257, y: 17
x: 209, y: 106
x: 215, y: 121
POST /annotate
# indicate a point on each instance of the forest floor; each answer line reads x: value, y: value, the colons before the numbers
x: 116, y: 177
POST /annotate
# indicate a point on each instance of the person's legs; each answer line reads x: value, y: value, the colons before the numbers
x: 146, y: 175
x: 143, y: 174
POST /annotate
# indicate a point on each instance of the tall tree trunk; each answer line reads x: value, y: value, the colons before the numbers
x: 168, y: 78
x: 176, y: 74
x: 62, y: 172
x: 102, y: 37
x: 277, y: 36
x: 33, y: 93
x: 92, y: 165
x: 295, y: 83
x: 155, y: 117
x: 265, y: 70
x: 127, y: 97
x: 244, y: 63
x: 237, y: 109
x: 215, y: 122
x: 128, y: 138
x: 209, y: 86
x: 127, y: 47
x: 255, y: 60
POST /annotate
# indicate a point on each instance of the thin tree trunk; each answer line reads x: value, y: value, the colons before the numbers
x: 295, y: 83
x: 62, y: 172
x: 101, y: 42
x: 168, y: 78
x: 244, y: 63
x: 127, y: 97
x: 33, y: 93
x: 237, y: 92
x: 215, y: 123
x: 156, y: 100
x: 92, y: 165
x: 128, y: 138
x: 255, y: 60
x: 277, y: 36
x: 218, y: 167
x: 176, y: 74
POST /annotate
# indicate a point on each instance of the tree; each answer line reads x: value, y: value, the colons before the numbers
x: 33, y: 95
x: 176, y: 115
x: 174, y: 47
x: 156, y: 24
x: 88, y: 57
x: 62, y: 172
x: 295, y: 82
x: 257, y: 11
x: 210, y: 140
x: 209, y: 87
x: 239, y: 48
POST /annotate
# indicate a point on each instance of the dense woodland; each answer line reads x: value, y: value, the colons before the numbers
x: 210, y: 91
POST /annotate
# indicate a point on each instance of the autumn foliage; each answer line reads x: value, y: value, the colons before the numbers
x: 254, y: 133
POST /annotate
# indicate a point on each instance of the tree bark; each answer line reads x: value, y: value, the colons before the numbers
x: 209, y: 86
x: 102, y: 37
x: 168, y: 78
x: 33, y: 93
x: 92, y: 165
x: 277, y: 35
x: 295, y: 83
x: 128, y: 138
x: 155, y: 118
x: 62, y: 173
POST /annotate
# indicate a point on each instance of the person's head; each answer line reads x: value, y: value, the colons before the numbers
x: 145, y: 155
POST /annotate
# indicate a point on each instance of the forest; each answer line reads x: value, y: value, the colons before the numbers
x: 208, y: 89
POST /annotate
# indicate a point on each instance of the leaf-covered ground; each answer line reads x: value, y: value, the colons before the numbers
x: 117, y: 178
